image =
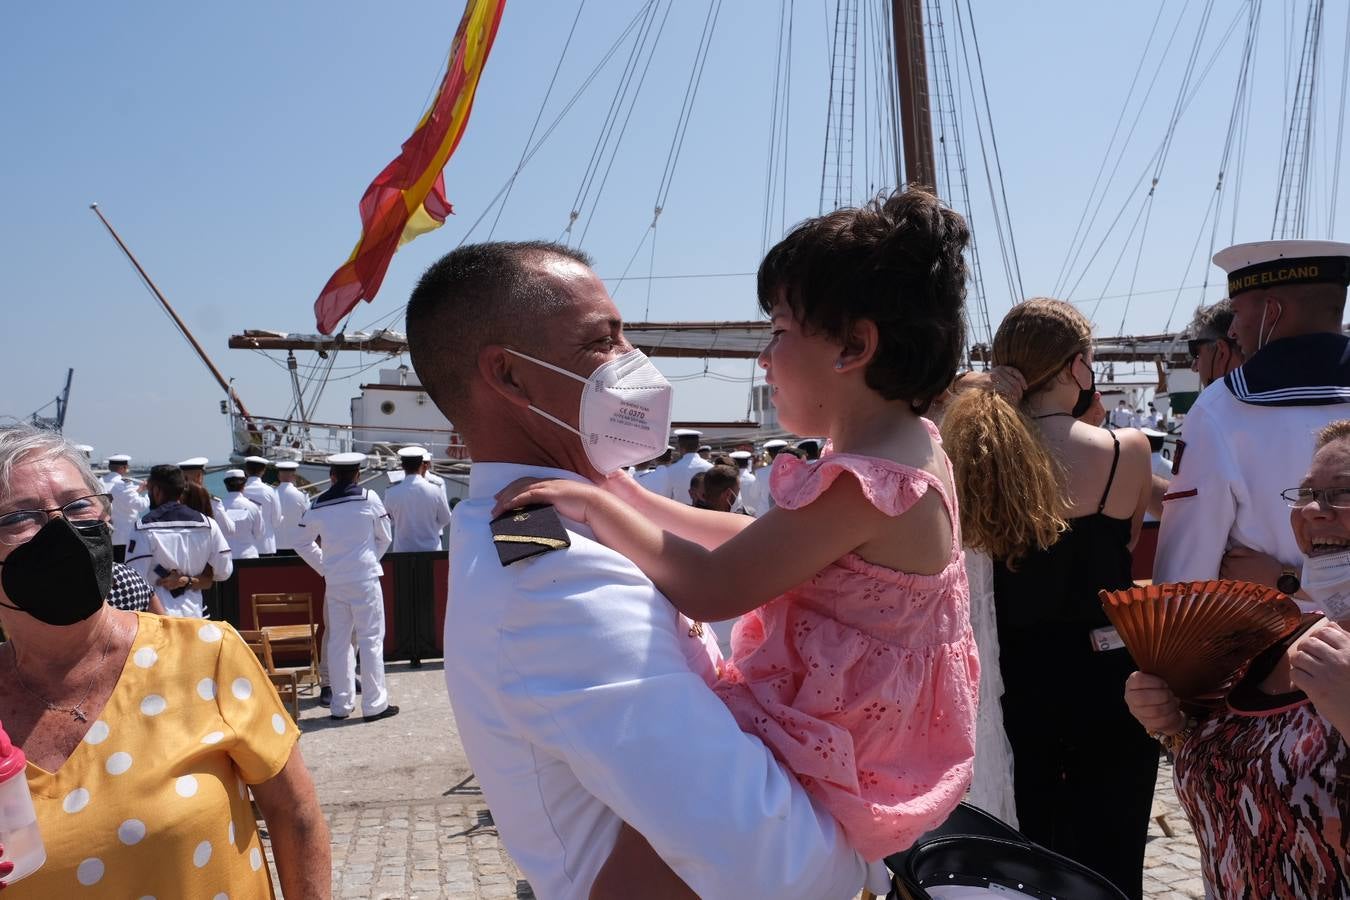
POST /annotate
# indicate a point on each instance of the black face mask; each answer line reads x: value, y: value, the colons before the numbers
x: 1085, y: 395
x: 63, y: 574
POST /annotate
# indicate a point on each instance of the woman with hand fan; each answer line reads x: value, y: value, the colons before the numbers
x: 1057, y: 504
x: 1265, y: 776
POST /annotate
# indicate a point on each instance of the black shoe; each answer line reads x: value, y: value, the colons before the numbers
x: 338, y: 718
x: 387, y: 713
x: 358, y: 687
x: 325, y: 696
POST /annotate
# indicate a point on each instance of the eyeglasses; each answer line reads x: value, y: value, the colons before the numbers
x: 20, y: 526
x: 1332, y: 497
x: 1195, y: 345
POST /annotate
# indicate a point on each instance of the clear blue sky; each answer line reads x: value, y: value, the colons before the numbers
x: 230, y: 144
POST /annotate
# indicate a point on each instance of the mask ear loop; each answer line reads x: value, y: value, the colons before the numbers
x: 1261, y: 338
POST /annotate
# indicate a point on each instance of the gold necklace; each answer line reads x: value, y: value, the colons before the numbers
x: 76, y: 711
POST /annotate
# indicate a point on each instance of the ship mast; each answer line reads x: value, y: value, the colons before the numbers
x: 182, y: 327
x: 911, y: 75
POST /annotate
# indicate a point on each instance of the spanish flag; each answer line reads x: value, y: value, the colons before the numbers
x: 408, y: 198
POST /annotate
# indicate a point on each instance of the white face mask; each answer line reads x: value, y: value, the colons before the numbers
x: 625, y: 411
x: 1326, y: 580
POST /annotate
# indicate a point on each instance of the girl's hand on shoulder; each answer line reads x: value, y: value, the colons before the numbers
x: 1321, y: 669
x: 572, y: 499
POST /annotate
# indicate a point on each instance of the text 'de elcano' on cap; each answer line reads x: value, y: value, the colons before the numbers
x: 1268, y: 264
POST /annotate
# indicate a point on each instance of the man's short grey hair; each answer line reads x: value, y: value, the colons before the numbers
x: 1212, y: 321
x: 24, y: 443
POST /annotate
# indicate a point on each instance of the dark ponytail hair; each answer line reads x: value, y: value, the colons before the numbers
x: 897, y: 261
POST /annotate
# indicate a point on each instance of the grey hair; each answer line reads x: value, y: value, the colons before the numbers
x: 23, y: 443
x: 1212, y: 321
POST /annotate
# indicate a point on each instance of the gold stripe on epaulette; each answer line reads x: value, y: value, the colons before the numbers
x: 523, y: 539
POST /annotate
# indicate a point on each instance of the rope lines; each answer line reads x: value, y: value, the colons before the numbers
x: 1291, y: 195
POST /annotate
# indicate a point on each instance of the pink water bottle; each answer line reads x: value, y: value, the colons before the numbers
x: 18, y: 821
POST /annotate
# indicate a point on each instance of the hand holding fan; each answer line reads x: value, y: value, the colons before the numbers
x: 1198, y: 636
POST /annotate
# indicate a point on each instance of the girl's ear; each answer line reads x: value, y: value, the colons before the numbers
x: 859, y: 347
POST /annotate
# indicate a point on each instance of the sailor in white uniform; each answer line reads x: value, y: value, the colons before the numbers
x: 748, y: 496
x: 655, y: 475
x: 263, y: 494
x: 128, y: 502
x: 342, y: 536
x: 176, y: 549
x: 248, y: 534
x: 194, y: 470
x: 683, y: 470
x: 293, y: 505
x: 1251, y: 436
x: 763, y: 497
x: 418, y: 509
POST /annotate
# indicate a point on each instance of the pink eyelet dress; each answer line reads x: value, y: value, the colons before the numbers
x: 864, y: 680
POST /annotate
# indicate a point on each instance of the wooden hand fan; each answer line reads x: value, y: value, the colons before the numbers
x: 1198, y: 636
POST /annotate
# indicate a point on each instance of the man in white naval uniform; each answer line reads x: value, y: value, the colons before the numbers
x: 763, y: 497
x: 194, y: 470
x: 655, y: 476
x: 128, y: 502
x: 748, y: 497
x: 263, y: 494
x: 247, y: 536
x: 417, y: 508
x: 342, y: 536
x: 1248, y: 438
x: 683, y: 470
x: 581, y: 695
x: 293, y: 505
x: 177, y: 550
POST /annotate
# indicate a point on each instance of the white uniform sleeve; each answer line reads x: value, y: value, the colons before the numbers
x: 443, y: 514
x: 273, y: 509
x: 223, y: 521
x: 222, y: 565
x: 307, y: 531
x: 593, y: 676
x: 259, y: 528
x: 384, y: 532
x: 1199, y: 507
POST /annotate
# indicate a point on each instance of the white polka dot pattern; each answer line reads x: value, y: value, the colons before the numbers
x: 145, y: 657
x: 206, y: 689
x: 131, y: 832
x: 153, y: 705
x: 278, y: 723
x: 75, y: 801
x: 255, y: 859
x: 214, y: 737
x: 202, y: 855
x: 186, y: 786
x: 231, y: 832
x: 118, y: 763
x: 242, y: 689
x: 209, y: 633
x: 90, y: 871
x: 97, y: 733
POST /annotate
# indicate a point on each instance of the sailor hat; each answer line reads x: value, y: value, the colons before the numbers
x: 775, y: 444
x: 687, y: 432
x: 287, y: 465
x: 256, y: 460
x: 1266, y: 264
x: 739, y: 454
x: 346, y: 459
x: 234, y: 473
x: 119, y: 458
x: 86, y: 449
x: 811, y: 442
x: 415, y: 453
x: 196, y: 462
x: 395, y: 476
x: 705, y: 447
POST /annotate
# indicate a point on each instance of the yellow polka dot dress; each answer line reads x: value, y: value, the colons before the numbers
x: 153, y: 802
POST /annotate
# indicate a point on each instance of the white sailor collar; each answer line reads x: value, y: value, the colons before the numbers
x: 1307, y: 370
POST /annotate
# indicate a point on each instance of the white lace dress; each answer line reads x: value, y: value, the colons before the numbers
x: 992, y: 788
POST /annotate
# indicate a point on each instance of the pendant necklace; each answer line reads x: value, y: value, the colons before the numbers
x: 76, y: 712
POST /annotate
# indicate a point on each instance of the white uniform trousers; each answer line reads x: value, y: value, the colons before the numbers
x: 356, y: 612
x: 324, y: 680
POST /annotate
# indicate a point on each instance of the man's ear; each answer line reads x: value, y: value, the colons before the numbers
x: 496, y: 368
x: 859, y: 347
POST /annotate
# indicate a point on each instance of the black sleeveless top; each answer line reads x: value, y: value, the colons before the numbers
x: 1059, y: 586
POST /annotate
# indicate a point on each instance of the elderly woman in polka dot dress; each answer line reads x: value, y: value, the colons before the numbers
x: 143, y: 734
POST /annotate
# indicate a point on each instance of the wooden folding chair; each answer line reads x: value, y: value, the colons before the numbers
x: 300, y: 637
x: 285, y: 680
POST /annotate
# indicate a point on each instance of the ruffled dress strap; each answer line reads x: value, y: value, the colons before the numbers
x: 891, y: 487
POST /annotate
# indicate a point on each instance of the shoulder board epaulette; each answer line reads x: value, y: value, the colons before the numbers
x: 526, y: 532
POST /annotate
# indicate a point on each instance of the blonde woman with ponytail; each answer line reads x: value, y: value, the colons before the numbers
x: 1057, y: 504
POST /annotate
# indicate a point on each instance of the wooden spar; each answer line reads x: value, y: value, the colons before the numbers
x: 911, y: 75
x: 220, y: 379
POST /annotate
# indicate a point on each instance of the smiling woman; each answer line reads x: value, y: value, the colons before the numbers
x: 119, y: 715
x: 1277, y: 751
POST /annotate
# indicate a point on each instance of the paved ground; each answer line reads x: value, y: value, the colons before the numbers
x: 409, y: 821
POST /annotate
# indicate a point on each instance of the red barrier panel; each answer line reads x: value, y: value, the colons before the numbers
x: 295, y: 576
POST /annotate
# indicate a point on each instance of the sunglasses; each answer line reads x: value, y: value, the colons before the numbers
x: 1195, y: 345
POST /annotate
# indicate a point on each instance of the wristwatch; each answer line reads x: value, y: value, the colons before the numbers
x: 1288, y: 582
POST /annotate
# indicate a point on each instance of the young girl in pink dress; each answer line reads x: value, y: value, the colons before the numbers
x: 854, y: 659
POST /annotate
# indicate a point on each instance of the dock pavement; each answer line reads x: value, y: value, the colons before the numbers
x: 409, y: 820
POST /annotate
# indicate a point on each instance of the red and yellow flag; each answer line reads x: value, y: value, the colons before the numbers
x: 408, y: 198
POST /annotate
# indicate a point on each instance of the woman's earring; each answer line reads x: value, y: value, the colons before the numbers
x: 838, y: 364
